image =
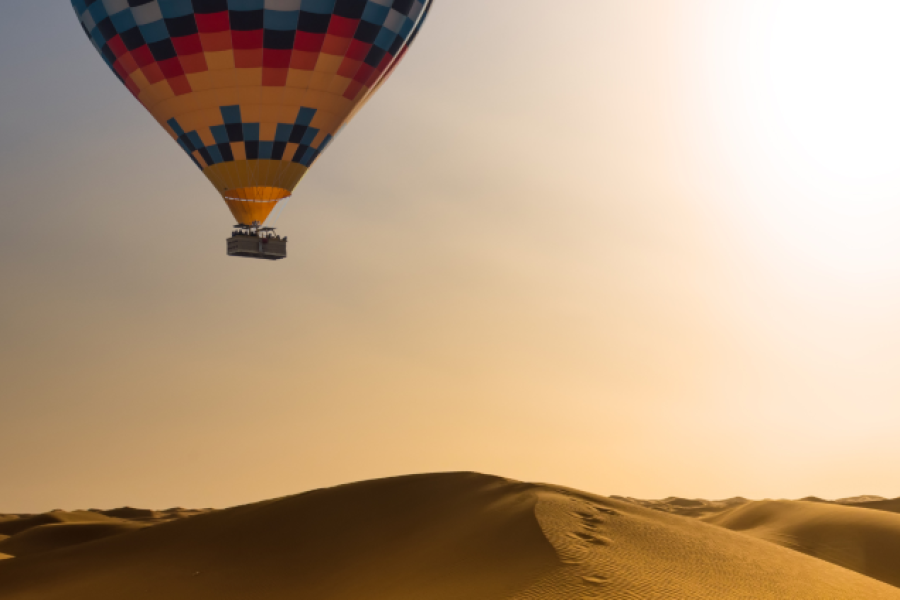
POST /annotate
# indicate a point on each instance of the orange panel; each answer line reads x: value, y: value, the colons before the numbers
x: 336, y: 46
x: 194, y: 63
x: 247, y: 213
x: 153, y: 72
x: 305, y: 61
x: 128, y: 63
x: 248, y: 59
x: 180, y: 85
x: 220, y: 61
x: 275, y: 77
x: 214, y: 42
x: 237, y: 148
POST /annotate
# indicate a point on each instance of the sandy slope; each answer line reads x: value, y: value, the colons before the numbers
x: 20, y: 524
x: 456, y: 536
x: 443, y: 537
x: 46, y: 538
x: 684, y: 506
x: 885, y: 505
x: 866, y: 541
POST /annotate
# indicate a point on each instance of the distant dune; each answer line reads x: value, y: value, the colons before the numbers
x: 45, y: 538
x: 20, y: 524
x: 685, y: 507
x: 866, y: 541
x: 458, y: 536
x: 885, y: 505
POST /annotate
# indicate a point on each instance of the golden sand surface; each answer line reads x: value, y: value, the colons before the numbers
x: 856, y: 537
x: 454, y: 536
x: 885, y: 505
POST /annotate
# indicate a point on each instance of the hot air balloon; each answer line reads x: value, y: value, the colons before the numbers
x: 252, y: 90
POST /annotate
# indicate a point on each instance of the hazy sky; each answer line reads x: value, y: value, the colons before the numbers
x: 637, y: 247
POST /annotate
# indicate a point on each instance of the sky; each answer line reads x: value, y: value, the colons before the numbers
x: 635, y: 247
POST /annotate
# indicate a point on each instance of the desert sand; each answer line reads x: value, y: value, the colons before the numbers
x: 427, y: 537
x: 858, y: 538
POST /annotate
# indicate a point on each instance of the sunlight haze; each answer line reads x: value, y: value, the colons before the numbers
x: 635, y: 247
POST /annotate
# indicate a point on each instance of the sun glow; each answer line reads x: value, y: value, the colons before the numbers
x: 808, y: 100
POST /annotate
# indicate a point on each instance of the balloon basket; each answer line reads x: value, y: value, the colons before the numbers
x: 253, y: 241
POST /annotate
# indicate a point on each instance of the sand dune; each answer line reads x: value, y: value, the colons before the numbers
x: 866, y: 541
x: 860, y: 499
x: 128, y: 512
x: 20, y: 524
x: 460, y: 536
x: 885, y: 505
x: 686, y: 507
x: 45, y: 538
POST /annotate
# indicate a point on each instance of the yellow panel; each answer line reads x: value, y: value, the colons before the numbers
x: 290, y: 176
x: 314, y: 98
x: 205, y: 134
x: 200, y: 81
x: 220, y: 61
x: 320, y: 81
x: 191, y: 121
x: 210, y: 116
x: 250, y: 112
x: 325, y: 120
x: 140, y: 80
x: 267, y: 131
x: 218, y: 177
x: 248, y: 213
x: 290, y: 151
x: 255, y: 179
x: 268, y: 113
x: 248, y: 96
x: 249, y: 78
x: 338, y: 85
x: 218, y: 97
x: 332, y: 103
x: 265, y: 175
x: 167, y: 110
x: 299, y: 79
x: 228, y: 173
x: 328, y: 63
x: 270, y: 95
x: 285, y: 113
x: 221, y: 79
x: 157, y: 93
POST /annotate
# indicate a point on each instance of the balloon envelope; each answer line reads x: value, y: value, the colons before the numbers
x: 252, y: 90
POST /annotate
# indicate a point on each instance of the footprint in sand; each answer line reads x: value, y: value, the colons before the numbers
x: 589, y: 517
x: 592, y: 539
x: 592, y: 522
x: 608, y: 511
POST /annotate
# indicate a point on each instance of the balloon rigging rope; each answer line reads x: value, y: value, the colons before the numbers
x: 279, y: 210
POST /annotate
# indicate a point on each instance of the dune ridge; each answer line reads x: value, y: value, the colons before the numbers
x: 884, y: 505
x: 447, y: 536
x: 428, y: 537
x: 20, y: 524
x: 618, y: 550
x: 46, y: 538
x: 852, y: 536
